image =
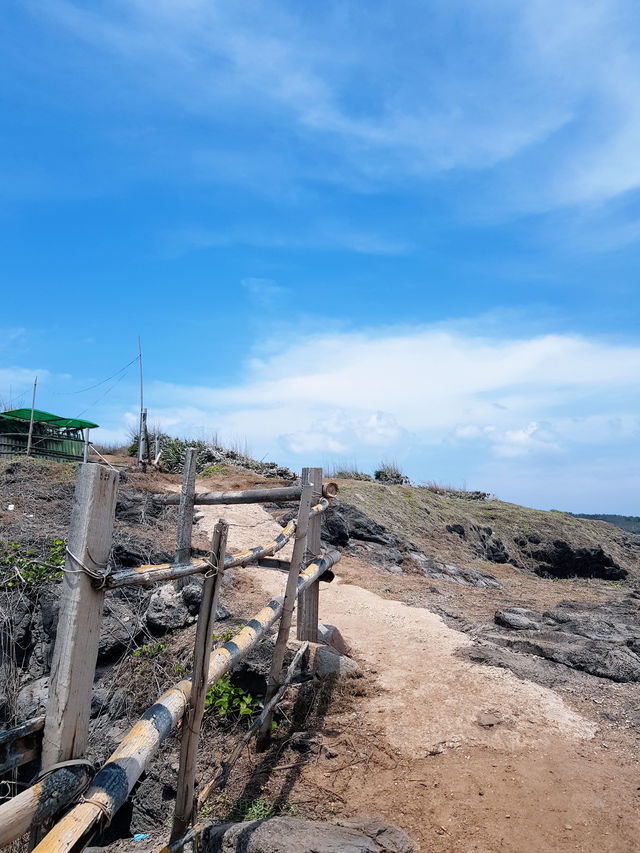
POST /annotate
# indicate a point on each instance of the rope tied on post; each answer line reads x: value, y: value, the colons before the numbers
x: 106, y: 814
x: 97, y: 574
x: 214, y: 568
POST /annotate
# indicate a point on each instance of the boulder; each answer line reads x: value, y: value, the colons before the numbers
x: 433, y: 568
x: 192, y: 596
x: 518, y: 619
x: 119, y: 628
x: 294, y: 835
x: 331, y: 636
x: 326, y: 661
x: 600, y: 638
x: 153, y: 801
x: 167, y: 610
x: 137, y: 507
x: 32, y: 699
x: 342, y: 522
x: 138, y: 551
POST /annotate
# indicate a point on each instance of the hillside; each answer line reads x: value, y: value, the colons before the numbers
x: 472, y: 531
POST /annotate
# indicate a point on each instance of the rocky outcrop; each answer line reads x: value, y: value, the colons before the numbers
x: 345, y: 526
x: 559, y: 560
x: 602, y: 639
x: 293, y: 835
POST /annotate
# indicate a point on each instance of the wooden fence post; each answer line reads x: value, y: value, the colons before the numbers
x: 73, y: 668
x: 185, y: 512
x: 308, y: 598
x: 295, y: 567
x: 192, y: 718
x: 142, y: 439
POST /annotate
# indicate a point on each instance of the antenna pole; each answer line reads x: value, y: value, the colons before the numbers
x: 33, y: 405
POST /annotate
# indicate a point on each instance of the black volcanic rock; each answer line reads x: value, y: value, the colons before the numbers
x: 560, y: 560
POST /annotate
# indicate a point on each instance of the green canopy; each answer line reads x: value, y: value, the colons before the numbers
x: 47, y: 418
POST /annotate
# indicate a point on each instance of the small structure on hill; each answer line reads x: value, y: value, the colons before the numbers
x: 53, y: 437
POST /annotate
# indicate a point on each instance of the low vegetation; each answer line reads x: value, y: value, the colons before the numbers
x: 22, y: 566
x: 631, y: 523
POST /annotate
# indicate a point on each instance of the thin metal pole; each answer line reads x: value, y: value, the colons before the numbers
x: 33, y: 405
x: 140, y: 360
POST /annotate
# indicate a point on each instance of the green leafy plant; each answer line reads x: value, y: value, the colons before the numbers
x: 229, y: 700
x: 150, y: 651
x: 211, y: 470
x: 225, y: 636
x: 258, y: 809
x: 19, y: 566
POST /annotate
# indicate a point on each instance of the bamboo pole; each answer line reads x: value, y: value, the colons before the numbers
x: 149, y: 574
x: 248, y: 496
x: 76, y: 649
x: 19, y: 745
x: 41, y: 801
x: 308, y: 600
x: 114, y: 782
x: 192, y: 721
x: 297, y: 558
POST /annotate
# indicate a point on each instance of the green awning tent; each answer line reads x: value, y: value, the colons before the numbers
x: 54, y: 437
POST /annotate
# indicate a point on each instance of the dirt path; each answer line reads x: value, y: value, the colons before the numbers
x: 464, y: 757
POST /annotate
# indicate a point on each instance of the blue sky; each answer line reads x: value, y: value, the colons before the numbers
x: 345, y: 231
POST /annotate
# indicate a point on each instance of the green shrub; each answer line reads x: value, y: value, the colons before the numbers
x: 229, y: 700
x: 246, y: 809
x: 389, y: 472
x: 211, y: 470
x: 150, y: 651
x: 20, y: 566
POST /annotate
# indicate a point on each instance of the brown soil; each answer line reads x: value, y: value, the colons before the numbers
x: 466, y: 757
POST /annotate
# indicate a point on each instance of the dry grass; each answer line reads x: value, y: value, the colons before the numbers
x: 422, y: 515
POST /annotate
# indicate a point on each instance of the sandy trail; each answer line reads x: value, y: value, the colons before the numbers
x: 429, y: 698
x: 249, y: 524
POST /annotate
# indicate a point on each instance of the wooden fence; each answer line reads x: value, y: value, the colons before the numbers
x: 66, y: 773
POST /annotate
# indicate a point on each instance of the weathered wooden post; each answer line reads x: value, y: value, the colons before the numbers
x: 295, y: 567
x: 192, y: 719
x: 142, y: 440
x: 308, y: 598
x: 73, y: 668
x: 185, y: 512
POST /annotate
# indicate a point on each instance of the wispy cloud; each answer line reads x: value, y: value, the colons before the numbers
x: 264, y: 291
x: 547, y: 90
x: 328, y: 236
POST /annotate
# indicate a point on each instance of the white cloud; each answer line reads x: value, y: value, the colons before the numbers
x: 362, y: 393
